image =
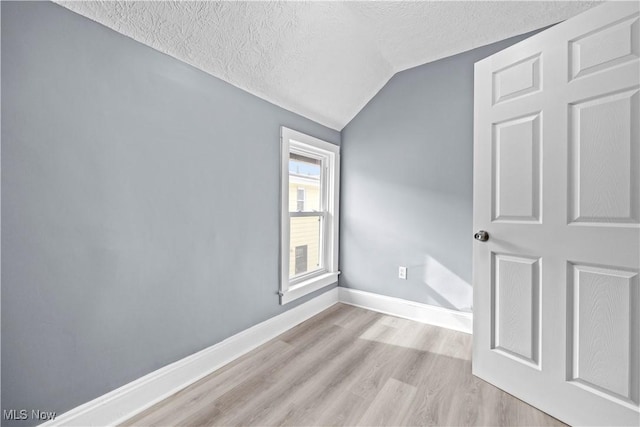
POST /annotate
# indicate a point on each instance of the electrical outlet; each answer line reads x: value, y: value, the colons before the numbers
x: 402, y: 273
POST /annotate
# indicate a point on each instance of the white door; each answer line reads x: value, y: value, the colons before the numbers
x: 557, y: 188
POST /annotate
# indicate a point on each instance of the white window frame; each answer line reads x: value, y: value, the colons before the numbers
x: 329, y: 154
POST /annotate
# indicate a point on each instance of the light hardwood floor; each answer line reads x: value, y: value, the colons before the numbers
x: 348, y: 366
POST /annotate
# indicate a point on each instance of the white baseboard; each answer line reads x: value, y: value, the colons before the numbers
x: 134, y: 397
x: 424, y: 313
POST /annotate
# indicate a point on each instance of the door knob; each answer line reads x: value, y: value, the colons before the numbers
x: 481, y: 235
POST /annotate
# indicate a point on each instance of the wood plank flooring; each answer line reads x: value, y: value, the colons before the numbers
x: 348, y: 366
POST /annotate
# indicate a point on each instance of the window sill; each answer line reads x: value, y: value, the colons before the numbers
x: 303, y: 288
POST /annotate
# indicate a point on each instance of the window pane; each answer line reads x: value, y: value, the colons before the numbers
x: 304, y: 183
x: 304, y: 246
x: 300, y: 199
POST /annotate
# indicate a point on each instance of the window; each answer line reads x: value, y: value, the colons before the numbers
x: 309, y: 239
x: 300, y: 205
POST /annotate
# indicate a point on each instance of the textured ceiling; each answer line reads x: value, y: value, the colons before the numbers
x: 322, y: 60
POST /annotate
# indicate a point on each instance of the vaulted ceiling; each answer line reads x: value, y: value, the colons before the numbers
x: 322, y: 60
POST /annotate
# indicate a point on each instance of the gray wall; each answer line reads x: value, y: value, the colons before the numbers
x: 406, y: 195
x: 140, y: 214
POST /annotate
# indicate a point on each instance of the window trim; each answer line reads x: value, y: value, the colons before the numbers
x: 330, y: 155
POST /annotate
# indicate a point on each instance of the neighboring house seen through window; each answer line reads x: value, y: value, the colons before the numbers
x: 300, y: 199
x: 301, y: 259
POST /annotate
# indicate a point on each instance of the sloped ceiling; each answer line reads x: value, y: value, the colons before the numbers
x: 322, y: 60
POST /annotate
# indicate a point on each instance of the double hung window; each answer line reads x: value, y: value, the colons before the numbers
x: 309, y: 241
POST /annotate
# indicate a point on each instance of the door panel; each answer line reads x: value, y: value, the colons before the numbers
x: 605, y: 47
x: 602, y: 303
x: 604, y: 159
x: 516, y: 180
x: 516, y: 296
x: 517, y: 80
x: 557, y: 187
